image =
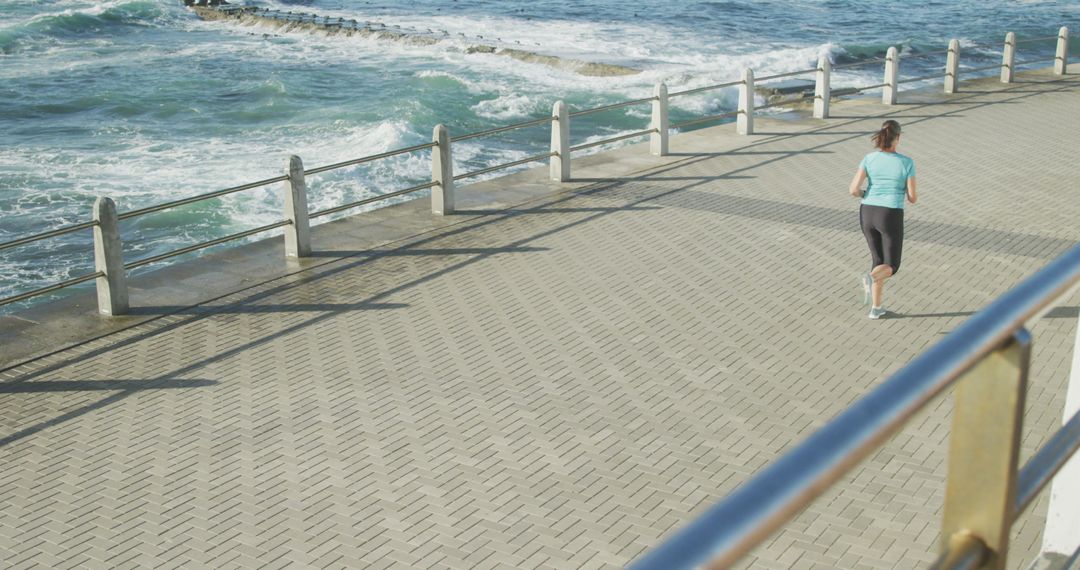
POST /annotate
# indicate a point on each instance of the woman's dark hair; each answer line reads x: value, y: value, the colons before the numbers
x: 886, y: 137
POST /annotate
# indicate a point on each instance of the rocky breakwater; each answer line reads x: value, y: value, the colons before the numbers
x: 292, y: 22
x: 795, y: 91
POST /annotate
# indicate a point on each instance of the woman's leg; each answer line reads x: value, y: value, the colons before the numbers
x: 892, y: 238
x: 879, y: 274
x: 868, y: 223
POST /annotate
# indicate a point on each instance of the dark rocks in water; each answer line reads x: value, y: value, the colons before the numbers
x: 785, y: 87
x: 290, y: 22
x: 794, y: 89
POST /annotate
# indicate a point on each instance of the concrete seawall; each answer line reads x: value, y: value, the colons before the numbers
x: 74, y: 318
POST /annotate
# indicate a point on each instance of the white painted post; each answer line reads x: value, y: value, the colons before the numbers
x: 1061, y: 59
x: 892, y: 73
x: 658, y: 141
x: 112, y: 293
x: 298, y: 233
x: 822, y: 91
x: 1008, y: 58
x: 442, y: 173
x: 952, y: 67
x: 560, y: 142
x: 744, y: 124
x: 1062, y: 533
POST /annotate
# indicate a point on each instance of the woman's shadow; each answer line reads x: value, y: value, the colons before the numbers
x: 895, y: 315
x: 1055, y: 313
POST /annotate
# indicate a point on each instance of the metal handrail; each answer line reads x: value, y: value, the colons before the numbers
x: 525, y: 160
x: 1042, y: 39
x: 199, y: 198
x: 1074, y: 561
x: 984, y: 68
x: 1042, y: 466
x: 925, y: 53
x: 611, y: 140
x: 788, y: 74
x: 858, y: 63
x: 378, y: 198
x: 705, y: 88
x: 781, y: 103
x: 966, y: 554
x: 205, y: 244
x: 370, y: 158
x: 503, y: 129
x: 613, y: 106
x: 1044, y: 60
x: 869, y: 87
x: 48, y: 234
x: 923, y: 78
x: 757, y: 508
x: 708, y: 119
x: 50, y: 288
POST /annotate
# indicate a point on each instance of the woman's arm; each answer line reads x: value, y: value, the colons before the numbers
x: 857, y: 182
x: 912, y: 196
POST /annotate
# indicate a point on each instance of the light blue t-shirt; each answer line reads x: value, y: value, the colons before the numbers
x: 887, y: 174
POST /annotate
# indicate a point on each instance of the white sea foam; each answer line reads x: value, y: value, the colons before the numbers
x: 147, y: 171
x: 477, y: 85
x: 507, y: 107
x: 609, y: 43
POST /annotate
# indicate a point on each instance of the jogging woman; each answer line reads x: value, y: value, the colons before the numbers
x: 891, y: 179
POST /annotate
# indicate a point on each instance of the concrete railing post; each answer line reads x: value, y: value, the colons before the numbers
x: 1062, y: 533
x: 560, y: 142
x: 892, y: 73
x: 298, y: 232
x: 952, y: 67
x: 658, y: 141
x: 744, y: 124
x: 112, y: 293
x: 822, y: 91
x: 1061, y: 58
x: 442, y: 172
x: 1008, y: 58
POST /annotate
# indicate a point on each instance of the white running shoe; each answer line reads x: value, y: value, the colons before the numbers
x: 866, y: 281
x: 877, y: 312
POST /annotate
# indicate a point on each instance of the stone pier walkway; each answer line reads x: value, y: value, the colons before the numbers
x: 562, y: 383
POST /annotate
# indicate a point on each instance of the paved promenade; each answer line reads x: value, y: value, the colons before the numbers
x: 561, y: 383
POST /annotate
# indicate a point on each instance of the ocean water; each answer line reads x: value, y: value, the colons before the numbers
x: 144, y: 102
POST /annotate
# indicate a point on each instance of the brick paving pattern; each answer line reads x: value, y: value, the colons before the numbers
x: 562, y: 384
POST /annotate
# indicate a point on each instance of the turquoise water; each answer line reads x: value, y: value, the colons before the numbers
x: 143, y: 102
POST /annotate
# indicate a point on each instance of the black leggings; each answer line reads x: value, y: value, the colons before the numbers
x: 884, y: 231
